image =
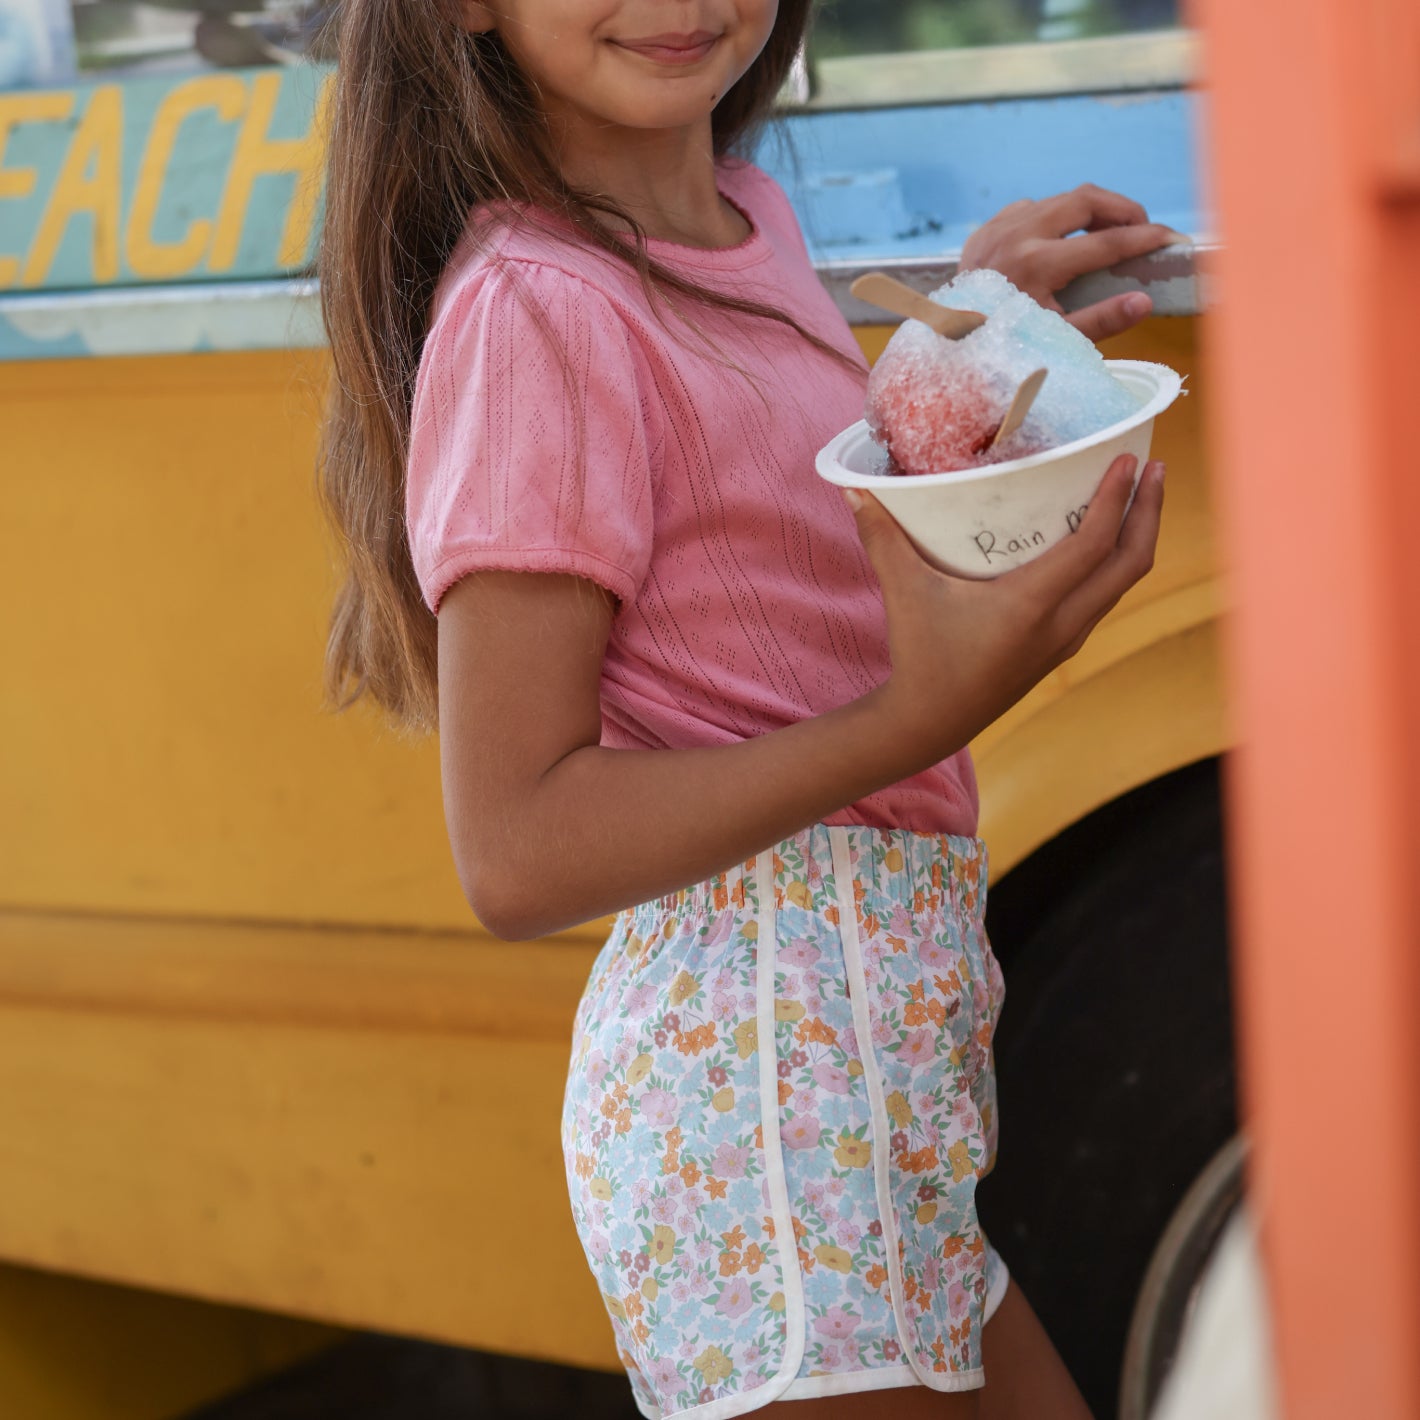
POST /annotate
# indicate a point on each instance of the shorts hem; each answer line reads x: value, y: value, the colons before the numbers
x: 813, y: 1387
x: 878, y: 1378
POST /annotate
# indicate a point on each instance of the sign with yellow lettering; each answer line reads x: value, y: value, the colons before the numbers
x: 213, y: 176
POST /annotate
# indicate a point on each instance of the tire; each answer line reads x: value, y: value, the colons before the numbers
x: 1114, y: 1057
x: 1171, y: 1287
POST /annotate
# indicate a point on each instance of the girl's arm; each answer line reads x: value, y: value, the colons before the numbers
x: 549, y: 829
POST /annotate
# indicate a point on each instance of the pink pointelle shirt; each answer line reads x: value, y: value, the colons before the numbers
x: 746, y: 602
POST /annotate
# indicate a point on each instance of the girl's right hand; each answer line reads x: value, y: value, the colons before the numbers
x: 963, y: 652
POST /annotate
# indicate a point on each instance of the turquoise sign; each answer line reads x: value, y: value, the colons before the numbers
x: 217, y: 175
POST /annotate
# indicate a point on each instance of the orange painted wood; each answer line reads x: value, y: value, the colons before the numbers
x: 1315, y: 360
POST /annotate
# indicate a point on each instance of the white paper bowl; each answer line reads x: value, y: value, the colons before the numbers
x: 980, y: 522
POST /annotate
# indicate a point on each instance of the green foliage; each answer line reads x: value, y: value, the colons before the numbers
x: 843, y: 27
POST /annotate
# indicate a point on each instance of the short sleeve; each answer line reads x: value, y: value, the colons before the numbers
x: 529, y: 441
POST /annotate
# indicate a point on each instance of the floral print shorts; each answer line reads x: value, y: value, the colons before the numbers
x: 780, y: 1101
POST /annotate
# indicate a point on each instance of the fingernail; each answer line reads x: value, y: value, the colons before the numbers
x: 1138, y: 304
x: 853, y: 498
x: 1155, y: 471
x: 1177, y: 238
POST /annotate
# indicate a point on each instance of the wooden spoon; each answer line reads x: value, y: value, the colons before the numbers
x: 1020, y: 405
x: 880, y: 289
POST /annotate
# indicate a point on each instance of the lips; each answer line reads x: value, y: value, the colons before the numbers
x: 672, y: 48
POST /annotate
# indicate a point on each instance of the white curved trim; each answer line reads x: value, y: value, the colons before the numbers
x: 874, y: 1378
x: 880, y: 1129
x: 997, y: 1294
x: 786, y: 1244
x: 743, y: 1401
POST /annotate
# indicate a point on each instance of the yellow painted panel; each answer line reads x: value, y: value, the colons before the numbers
x: 166, y: 587
x: 71, y: 1349
x: 365, y: 1177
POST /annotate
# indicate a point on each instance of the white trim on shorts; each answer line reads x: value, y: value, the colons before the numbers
x: 785, y: 1244
x: 881, y: 1128
x: 889, y: 1377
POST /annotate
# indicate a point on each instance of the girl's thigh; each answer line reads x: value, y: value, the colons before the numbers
x: 1025, y: 1377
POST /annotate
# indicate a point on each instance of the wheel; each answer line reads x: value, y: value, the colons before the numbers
x: 1114, y: 1057
x: 1171, y: 1286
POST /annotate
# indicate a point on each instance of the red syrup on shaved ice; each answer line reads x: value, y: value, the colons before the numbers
x: 935, y: 404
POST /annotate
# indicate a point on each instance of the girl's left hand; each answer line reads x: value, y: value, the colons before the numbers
x: 1030, y: 243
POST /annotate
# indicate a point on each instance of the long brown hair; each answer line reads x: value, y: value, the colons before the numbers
x: 431, y: 122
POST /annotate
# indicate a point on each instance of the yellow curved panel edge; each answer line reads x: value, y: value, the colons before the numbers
x: 1136, y: 720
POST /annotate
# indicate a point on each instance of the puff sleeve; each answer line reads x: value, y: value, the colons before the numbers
x: 530, y: 439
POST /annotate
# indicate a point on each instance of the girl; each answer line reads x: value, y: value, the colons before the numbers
x: 583, y: 367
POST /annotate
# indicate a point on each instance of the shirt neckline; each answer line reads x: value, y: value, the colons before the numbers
x: 749, y: 249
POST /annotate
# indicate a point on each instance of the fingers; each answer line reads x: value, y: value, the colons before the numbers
x: 883, y: 539
x: 1139, y: 536
x: 1048, y: 264
x: 1128, y: 562
x: 1086, y: 208
x: 1062, y: 570
x: 1111, y: 317
x: 1089, y: 208
x: 1080, y: 578
x: 1094, y: 251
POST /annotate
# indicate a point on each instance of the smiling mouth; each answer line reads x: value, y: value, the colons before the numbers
x: 671, y: 48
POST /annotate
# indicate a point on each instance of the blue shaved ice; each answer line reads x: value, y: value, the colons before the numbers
x: 926, y: 391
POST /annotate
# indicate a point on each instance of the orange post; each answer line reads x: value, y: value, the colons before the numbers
x: 1314, y: 137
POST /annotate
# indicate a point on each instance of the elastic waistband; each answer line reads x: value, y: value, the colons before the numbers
x: 892, y: 866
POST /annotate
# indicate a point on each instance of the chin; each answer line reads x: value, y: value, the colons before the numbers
x: 678, y: 111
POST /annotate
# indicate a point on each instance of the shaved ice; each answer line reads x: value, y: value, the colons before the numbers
x: 935, y: 404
